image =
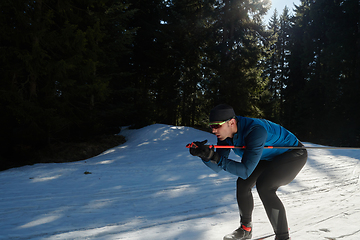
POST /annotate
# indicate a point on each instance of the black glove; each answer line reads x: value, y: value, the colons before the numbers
x: 203, y: 151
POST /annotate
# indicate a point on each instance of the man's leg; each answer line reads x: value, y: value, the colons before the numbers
x: 243, y: 193
x: 281, y: 171
x: 246, y: 204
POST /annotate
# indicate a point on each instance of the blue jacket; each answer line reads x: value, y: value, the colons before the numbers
x: 254, y: 134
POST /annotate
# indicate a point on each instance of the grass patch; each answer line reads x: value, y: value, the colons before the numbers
x: 62, y: 152
x: 76, y: 151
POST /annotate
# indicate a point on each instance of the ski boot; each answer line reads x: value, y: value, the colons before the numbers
x: 242, y: 233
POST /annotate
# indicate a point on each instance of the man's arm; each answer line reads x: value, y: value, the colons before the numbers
x: 255, y: 142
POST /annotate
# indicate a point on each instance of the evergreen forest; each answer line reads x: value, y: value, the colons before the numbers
x: 73, y: 70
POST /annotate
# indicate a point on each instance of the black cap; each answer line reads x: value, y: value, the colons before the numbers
x: 221, y: 112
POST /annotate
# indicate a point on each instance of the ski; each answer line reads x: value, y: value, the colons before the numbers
x: 264, y: 237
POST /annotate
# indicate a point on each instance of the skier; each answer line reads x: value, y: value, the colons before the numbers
x: 268, y: 169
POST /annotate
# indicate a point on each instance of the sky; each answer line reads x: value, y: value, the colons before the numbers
x: 280, y: 5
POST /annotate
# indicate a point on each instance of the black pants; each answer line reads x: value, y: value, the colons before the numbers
x: 268, y: 177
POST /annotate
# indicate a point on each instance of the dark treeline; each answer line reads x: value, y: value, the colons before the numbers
x: 322, y: 86
x: 71, y: 70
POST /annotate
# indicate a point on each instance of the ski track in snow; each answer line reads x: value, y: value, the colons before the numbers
x: 152, y: 188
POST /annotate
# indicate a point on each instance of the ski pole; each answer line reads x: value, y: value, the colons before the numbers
x: 192, y: 145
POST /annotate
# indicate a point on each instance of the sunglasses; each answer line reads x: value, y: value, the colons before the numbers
x: 218, y: 125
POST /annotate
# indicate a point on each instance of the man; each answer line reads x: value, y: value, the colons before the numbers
x: 268, y: 169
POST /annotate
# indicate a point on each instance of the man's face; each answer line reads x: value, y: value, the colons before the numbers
x: 224, y: 130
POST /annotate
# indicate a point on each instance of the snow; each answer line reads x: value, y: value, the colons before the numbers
x: 152, y: 188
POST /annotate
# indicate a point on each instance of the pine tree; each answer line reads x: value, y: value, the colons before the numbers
x: 239, y: 40
x: 270, y: 74
x: 294, y: 106
x: 191, y: 32
x: 321, y: 66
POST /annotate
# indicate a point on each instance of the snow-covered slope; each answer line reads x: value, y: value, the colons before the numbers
x: 151, y: 188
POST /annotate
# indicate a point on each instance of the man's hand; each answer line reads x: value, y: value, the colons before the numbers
x: 203, y: 151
